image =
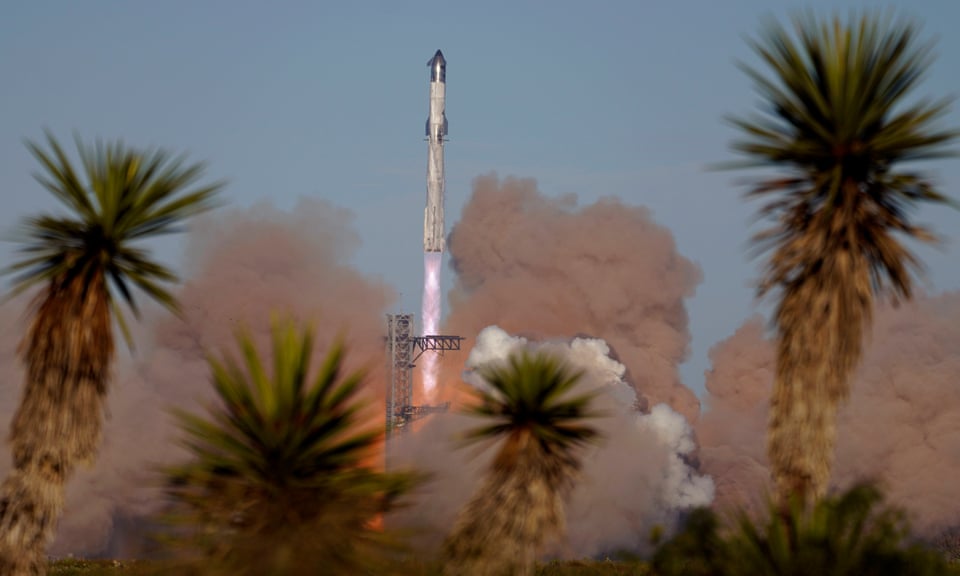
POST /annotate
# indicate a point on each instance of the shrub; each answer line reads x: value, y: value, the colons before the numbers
x: 278, y: 480
x: 851, y: 534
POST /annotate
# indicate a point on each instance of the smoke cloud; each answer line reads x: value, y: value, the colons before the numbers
x: 537, y: 266
x: 243, y: 266
x: 638, y: 477
x: 546, y: 268
x: 900, y: 426
x: 602, y: 284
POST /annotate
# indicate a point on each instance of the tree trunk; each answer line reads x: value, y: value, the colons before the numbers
x: 31, y: 499
x: 821, y: 321
x: 801, y: 440
x: 67, y: 351
x: 517, y: 509
x: 502, y: 528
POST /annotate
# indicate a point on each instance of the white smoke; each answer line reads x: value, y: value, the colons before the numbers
x: 637, y: 478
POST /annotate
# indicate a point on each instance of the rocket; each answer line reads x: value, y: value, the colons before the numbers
x: 433, y: 224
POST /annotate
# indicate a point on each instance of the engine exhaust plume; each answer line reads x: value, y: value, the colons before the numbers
x: 432, y: 261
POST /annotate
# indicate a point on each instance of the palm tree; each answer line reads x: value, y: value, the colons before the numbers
x: 277, y: 480
x: 520, y: 503
x: 837, y: 128
x: 82, y: 260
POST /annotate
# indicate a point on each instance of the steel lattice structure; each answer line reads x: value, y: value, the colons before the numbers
x: 403, y: 349
x: 399, y: 368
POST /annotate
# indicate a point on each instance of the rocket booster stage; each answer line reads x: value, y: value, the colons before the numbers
x: 433, y: 224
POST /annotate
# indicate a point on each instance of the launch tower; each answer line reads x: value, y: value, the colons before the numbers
x: 403, y: 349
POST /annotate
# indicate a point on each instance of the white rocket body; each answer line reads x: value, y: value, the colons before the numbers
x: 433, y: 223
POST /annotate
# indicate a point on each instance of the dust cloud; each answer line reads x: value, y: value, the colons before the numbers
x: 536, y: 266
x: 243, y: 265
x: 604, y: 285
x: 548, y: 268
x: 638, y: 477
x: 901, y: 425
x: 601, y: 283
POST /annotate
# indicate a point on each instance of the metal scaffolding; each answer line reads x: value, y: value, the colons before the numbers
x: 403, y: 349
x: 439, y: 344
x: 399, y: 368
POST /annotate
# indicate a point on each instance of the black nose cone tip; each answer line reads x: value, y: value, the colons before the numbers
x: 438, y: 67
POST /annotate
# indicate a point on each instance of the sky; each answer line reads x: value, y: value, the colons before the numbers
x: 328, y: 100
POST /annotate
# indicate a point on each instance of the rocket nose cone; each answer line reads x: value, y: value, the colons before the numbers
x: 438, y: 68
x: 437, y: 59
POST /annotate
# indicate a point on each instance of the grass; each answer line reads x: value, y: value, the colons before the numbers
x: 72, y: 567
x: 591, y: 568
x: 569, y: 568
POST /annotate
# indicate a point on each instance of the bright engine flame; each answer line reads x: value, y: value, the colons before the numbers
x: 431, y: 316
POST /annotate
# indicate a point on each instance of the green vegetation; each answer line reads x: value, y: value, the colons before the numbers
x: 277, y: 482
x: 838, y: 122
x: 847, y: 535
x: 529, y: 405
x: 279, y: 478
x: 411, y: 568
x: 83, y: 262
x: 100, y: 568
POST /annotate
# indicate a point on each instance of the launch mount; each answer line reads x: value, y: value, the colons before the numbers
x: 403, y: 349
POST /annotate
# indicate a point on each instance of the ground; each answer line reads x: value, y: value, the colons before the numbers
x: 128, y: 568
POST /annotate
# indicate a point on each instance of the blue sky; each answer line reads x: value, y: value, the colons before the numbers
x: 329, y: 99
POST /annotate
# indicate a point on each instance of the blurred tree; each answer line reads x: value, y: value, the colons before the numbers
x: 82, y: 261
x: 520, y: 503
x: 852, y: 534
x: 836, y: 131
x: 277, y: 482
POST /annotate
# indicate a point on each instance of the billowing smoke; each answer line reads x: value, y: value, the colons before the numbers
x: 900, y: 426
x: 244, y: 265
x: 546, y: 268
x: 637, y: 478
x: 607, y: 286
x: 432, y: 299
x: 602, y: 283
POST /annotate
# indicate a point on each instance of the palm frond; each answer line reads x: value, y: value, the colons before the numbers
x: 532, y: 392
x: 837, y: 121
x: 281, y: 451
x: 123, y: 196
x: 275, y: 419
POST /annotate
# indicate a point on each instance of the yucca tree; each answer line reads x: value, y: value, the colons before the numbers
x: 87, y: 262
x: 839, y: 124
x: 278, y: 479
x: 530, y: 406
